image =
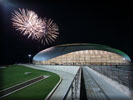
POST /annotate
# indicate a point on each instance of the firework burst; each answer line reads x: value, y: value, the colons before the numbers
x: 50, y: 33
x: 28, y: 23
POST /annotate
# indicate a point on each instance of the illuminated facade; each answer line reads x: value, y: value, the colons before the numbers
x: 81, y: 54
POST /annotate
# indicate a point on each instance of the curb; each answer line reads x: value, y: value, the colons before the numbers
x: 53, y: 90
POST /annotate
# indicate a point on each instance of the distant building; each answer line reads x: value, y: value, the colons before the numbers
x: 81, y: 54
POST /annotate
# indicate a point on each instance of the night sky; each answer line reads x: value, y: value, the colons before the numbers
x: 79, y: 22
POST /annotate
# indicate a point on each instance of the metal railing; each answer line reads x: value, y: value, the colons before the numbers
x: 121, y: 75
x: 72, y: 90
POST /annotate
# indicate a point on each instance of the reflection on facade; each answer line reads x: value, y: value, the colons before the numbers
x: 87, y: 57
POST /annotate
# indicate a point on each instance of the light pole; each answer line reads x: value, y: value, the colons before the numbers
x: 29, y: 55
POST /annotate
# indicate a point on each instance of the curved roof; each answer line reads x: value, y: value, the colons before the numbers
x: 59, y: 50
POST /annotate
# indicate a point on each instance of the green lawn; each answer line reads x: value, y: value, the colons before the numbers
x: 38, y: 91
x: 14, y: 74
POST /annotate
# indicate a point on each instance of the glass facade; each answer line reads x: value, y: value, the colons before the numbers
x: 87, y: 57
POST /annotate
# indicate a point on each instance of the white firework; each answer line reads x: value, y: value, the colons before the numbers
x: 28, y: 23
x: 50, y: 33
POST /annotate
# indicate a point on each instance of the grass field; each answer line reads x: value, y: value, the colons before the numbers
x: 38, y: 91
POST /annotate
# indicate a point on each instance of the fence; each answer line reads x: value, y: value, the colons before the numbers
x: 121, y: 74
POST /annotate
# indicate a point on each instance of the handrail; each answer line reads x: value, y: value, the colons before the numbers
x: 71, y: 85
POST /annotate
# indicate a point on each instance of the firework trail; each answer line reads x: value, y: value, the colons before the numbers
x: 29, y: 24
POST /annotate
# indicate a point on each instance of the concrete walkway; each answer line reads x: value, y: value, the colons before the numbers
x: 99, y: 89
x: 67, y: 73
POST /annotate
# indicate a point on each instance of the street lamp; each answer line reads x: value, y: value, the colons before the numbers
x: 29, y: 55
